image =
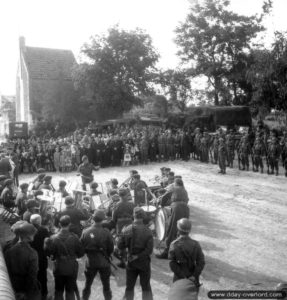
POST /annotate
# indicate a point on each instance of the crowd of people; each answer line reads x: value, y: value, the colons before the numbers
x: 133, y: 145
x: 120, y: 230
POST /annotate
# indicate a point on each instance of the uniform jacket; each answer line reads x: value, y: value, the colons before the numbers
x: 98, y: 244
x: 186, y: 258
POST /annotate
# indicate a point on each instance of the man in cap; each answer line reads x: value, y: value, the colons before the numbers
x: 21, y: 199
x: 5, y: 165
x: 38, y: 245
x: 32, y: 208
x: 7, y: 194
x: 64, y: 247
x: 22, y: 263
x: 86, y: 171
x: 98, y: 244
x: 47, y: 183
x: 185, y: 254
x: 76, y: 215
x: 39, y: 180
x: 138, y: 238
x: 122, y: 216
x: 62, y: 188
x: 179, y: 210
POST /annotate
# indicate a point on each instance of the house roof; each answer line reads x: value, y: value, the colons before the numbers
x: 45, y: 63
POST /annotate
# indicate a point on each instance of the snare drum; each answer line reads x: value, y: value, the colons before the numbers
x: 149, y: 208
x: 161, y: 222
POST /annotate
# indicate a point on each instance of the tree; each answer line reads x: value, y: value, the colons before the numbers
x: 177, y: 87
x: 268, y: 75
x: 117, y: 71
x: 211, y: 39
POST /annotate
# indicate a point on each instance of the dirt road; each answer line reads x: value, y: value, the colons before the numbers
x: 240, y: 220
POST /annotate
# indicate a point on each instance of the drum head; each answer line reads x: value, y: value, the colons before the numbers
x: 160, y: 224
x: 149, y: 209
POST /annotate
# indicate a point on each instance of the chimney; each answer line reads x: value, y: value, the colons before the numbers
x: 22, y: 44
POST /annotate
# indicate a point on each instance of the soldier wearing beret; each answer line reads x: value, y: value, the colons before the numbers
x: 98, y: 244
x: 185, y: 254
x: 138, y: 238
x: 22, y: 263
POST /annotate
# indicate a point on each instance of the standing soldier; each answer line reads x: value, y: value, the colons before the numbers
x: 170, y: 146
x: 284, y: 155
x: 65, y: 247
x: 258, y: 152
x: 204, y: 147
x: 215, y: 145
x: 185, y: 255
x: 144, y: 145
x: 22, y: 263
x: 160, y: 141
x: 244, y: 152
x: 177, y: 146
x: 230, y: 144
x: 222, y: 154
x: 153, y: 148
x: 138, y: 238
x: 98, y: 244
x: 197, y: 139
x: 274, y: 153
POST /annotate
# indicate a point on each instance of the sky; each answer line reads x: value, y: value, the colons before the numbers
x: 68, y: 24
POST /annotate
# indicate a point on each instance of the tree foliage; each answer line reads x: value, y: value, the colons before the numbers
x: 268, y: 75
x: 117, y: 71
x: 211, y: 41
x: 177, y: 88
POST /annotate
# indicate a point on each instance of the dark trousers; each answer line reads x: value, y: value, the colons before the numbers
x: 67, y: 284
x: 142, y: 270
x: 105, y: 274
x: 42, y: 278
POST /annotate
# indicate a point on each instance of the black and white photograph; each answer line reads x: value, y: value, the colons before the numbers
x: 143, y: 149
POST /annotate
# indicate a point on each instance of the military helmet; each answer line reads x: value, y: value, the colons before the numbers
x: 184, y: 225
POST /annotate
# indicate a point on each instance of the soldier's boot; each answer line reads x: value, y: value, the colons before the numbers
x: 272, y: 172
x: 247, y: 168
x: 231, y: 165
x: 262, y: 171
x: 277, y: 172
x: 107, y: 295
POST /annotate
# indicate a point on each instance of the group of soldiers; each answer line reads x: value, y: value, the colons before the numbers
x: 255, y: 147
x: 121, y: 229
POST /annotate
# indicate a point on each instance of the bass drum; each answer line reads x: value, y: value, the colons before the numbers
x: 161, y: 222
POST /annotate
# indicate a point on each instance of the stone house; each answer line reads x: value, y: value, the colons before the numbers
x: 44, y: 84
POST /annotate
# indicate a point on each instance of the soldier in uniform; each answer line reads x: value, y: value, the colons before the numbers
x: 64, y: 247
x: 138, y: 238
x: 222, y: 154
x: 215, y: 145
x: 76, y: 215
x: 144, y: 146
x: 160, y: 141
x: 86, y: 171
x: 7, y: 194
x: 204, y: 148
x: 274, y: 153
x: 122, y: 216
x: 22, y: 264
x: 98, y: 244
x: 153, y: 149
x: 47, y: 183
x: 244, y: 152
x: 62, y: 188
x: 185, y: 254
x: 258, y: 152
x: 38, y: 245
x: 230, y: 144
x: 170, y: 146
x: 21, y: 199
